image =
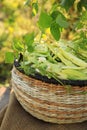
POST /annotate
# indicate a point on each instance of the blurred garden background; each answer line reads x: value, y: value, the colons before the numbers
x: 16, y: 20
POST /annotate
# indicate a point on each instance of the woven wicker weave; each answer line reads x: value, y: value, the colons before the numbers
x: 50, y: 102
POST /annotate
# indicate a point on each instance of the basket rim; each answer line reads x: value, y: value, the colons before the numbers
x: 80, y: 83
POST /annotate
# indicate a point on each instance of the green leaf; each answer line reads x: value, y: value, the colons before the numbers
x: 9, y: 57
x: 28, y: 40
x: 54, y: 14
x: 55, y: 30
x: 44, y: 20
x: 17, y: 45
x: 35, y: 8
x: 30, y: 48
x: 61, y: 20
x: 67, y: 4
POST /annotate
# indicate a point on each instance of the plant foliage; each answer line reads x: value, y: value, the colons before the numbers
x: 60, y: 59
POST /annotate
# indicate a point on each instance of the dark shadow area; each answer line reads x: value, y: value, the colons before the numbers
x: 5, y: 72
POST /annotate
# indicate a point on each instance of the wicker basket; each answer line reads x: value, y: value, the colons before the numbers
x: 50, y: 102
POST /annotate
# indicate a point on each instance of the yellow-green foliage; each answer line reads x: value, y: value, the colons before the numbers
x: 15, y: 20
